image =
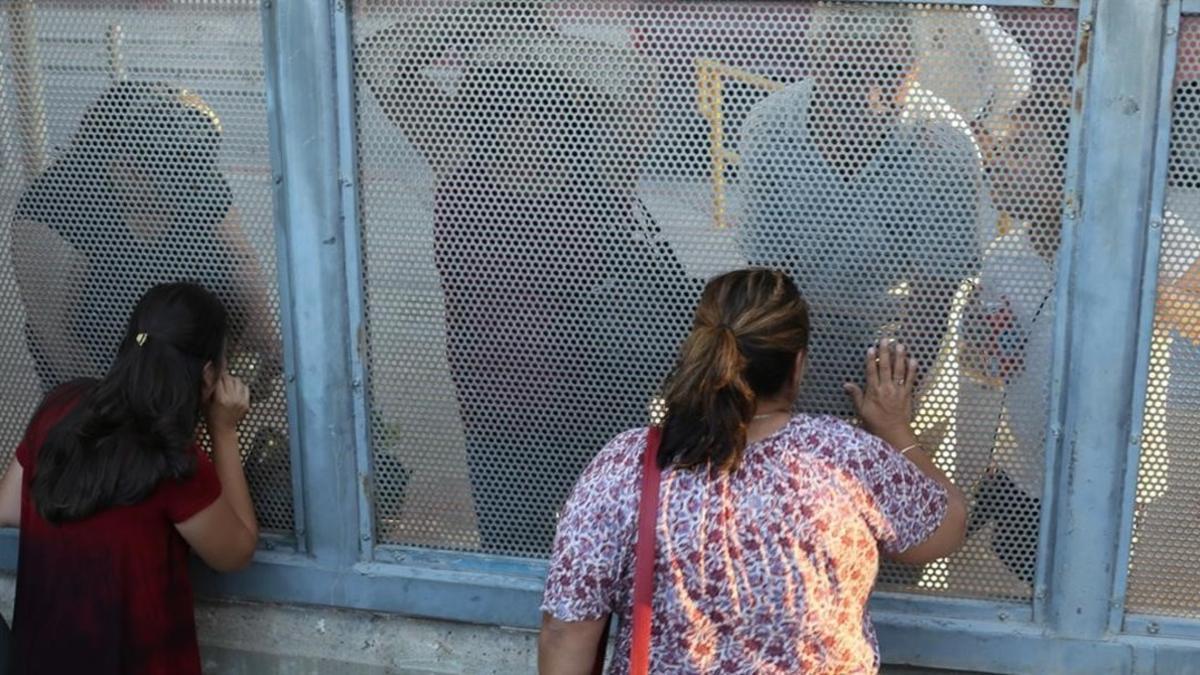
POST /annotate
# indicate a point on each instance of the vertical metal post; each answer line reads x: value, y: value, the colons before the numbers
x: 343, y: 38
x: 1158, y: 198
x: 1103, y: 307
x: 282, y: 273
x: 302, y: 83
x: 31, y: 110
x: 1073, y: 187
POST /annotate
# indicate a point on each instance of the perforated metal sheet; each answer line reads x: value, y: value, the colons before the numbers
x: 1163, y: 574
x: 546, y: 185
x: 133, y: 150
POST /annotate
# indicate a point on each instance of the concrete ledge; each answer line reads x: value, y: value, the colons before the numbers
x: 264, y: 639
x: 243, y: 638
x: 253, y: 639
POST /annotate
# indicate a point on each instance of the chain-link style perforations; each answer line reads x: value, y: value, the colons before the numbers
x: 546, y: 185
x: 1163, y: 575
x: 133, y: 147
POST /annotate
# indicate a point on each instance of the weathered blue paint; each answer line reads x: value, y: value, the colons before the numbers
x: 962, y: 609
x: 994, y: 647
x: 1102, y: 311
x: 8, y: 549
x: 275, y: 121
x: 1165, y: 660
x: 1153, y: 234
x: 462, y: 562
x: 1072, y: 188
x: 300, y: 54
x: 1040, y: 4
x: 1165, y: 627
x: 1114, y: 187
x: 965, y: 635
x: 438, y: 591
x: 343, y: 42
x: 490, y: 590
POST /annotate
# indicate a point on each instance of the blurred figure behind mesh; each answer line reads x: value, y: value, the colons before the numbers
x: 562, y: 297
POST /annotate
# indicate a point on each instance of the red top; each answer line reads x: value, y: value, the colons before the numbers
x: 110, y: 593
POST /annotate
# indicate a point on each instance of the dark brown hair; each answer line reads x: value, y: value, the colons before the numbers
x: 135, y: 427
x: 749, y: 327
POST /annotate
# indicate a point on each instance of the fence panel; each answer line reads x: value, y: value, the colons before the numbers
x: 545, y: 186
x: 134, y: 151
x: 1163, y: 577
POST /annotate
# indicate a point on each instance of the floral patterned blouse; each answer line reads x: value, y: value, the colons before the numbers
x: 766, y: 569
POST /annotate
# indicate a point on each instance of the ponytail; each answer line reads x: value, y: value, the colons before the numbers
x: 749, y: 327
x: 709, y: 402
x: 135, y: 427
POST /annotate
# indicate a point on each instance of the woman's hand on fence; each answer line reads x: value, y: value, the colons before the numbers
x: 885, y: 406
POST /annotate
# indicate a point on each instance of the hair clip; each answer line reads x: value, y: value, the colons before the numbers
x: 141, y: 338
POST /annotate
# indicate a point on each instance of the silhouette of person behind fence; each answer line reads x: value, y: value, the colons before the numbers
x: 136, y: 198
x: 137, y: 195
x: 562, y: 298
x: 877, y: 212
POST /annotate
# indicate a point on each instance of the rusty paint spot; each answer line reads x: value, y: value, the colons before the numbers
x: 1085, y: 45
x: 1079, y: 101
x: 368, y: 488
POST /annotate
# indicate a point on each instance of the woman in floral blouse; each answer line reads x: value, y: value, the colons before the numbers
x: 770, y: 523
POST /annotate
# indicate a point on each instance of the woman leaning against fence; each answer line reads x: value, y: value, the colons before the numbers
x: 110, y: 489
x: 770, y: 523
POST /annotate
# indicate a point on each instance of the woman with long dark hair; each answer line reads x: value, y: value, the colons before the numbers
x: 770, y: 523
x: 110, y: 489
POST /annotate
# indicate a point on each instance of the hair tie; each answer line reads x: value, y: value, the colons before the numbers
x: 141, y: 338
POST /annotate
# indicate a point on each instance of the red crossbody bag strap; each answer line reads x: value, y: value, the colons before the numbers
x: 643, y: 570
x: 643, y: 565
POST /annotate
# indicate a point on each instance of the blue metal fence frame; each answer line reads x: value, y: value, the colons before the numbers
x: 1163, y: 627
x: 1146, y: 316
x: 1072, y: 189
x: 300, y: 55
x: 1101, y: 313
x: 343, y: 44
x: 297, y: 540
x: 1118, y: 143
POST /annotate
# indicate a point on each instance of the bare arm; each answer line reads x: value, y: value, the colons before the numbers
x: 1177, y: 302
x: 251, y: 299
x: 886, y: 410
x: 249, y: 279
x: 568, y: 647
x: 927, y: 307
x: 10, y: 495
x: 398, y: 62
x: 950, y: 535
x: 225, y: 534
x: 234, y: 489
x: 48, y: 272
x: 256, y: 350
